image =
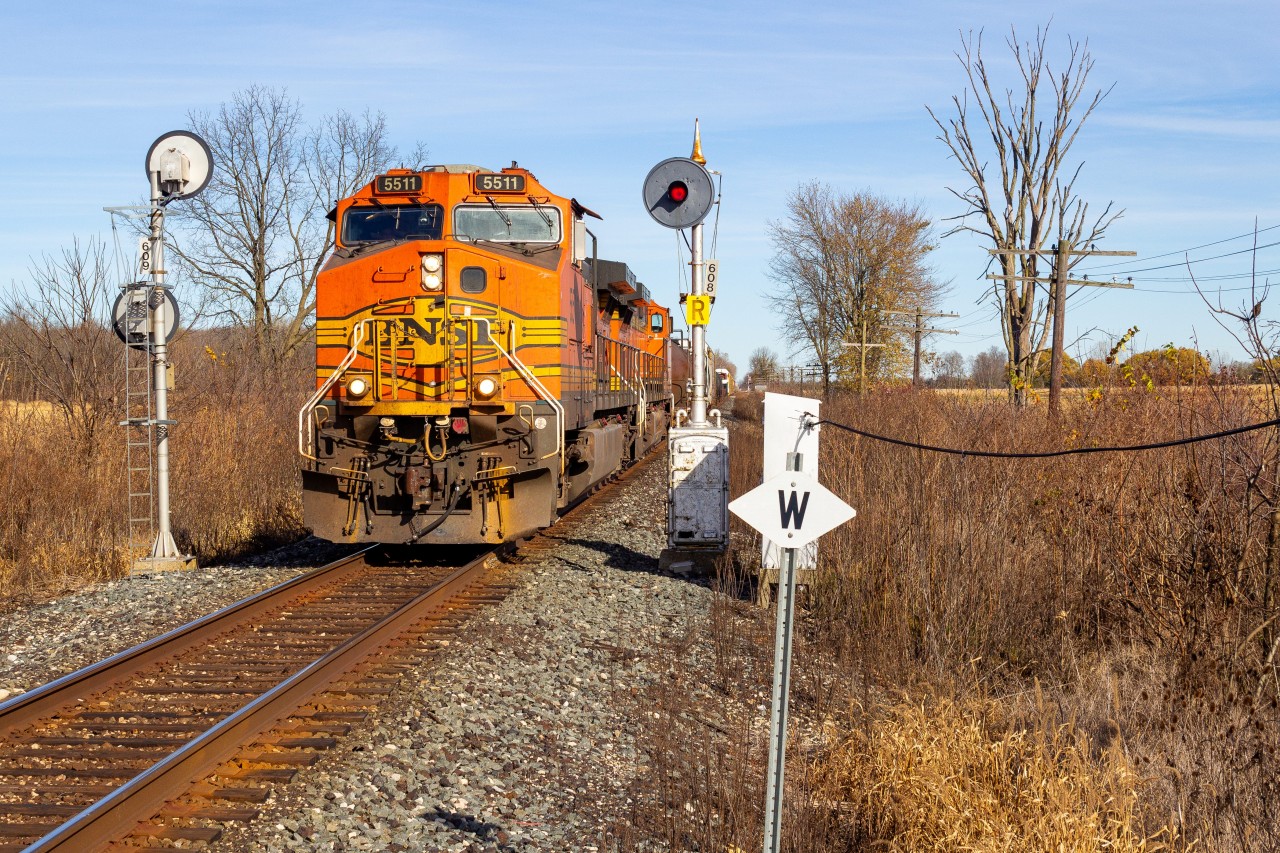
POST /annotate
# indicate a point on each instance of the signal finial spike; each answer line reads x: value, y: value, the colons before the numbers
x: 696, y: 156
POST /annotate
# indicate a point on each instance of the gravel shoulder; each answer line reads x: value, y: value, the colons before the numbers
x: 529, y: 733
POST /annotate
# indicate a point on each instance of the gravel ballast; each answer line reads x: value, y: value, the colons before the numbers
x: 531, y: 731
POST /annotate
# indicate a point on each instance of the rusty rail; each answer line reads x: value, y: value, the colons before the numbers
x: 48, y: 699
x: 136, y: 800
x: 201, y: 742
x: 226, y: 704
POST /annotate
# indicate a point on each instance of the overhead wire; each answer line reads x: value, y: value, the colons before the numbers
x: 1189, y: 261
x: 1071, y: 451
x: 1191, y: 249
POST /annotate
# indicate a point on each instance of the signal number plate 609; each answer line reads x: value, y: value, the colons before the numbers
x: 494, y: 183
x: 397, y: 184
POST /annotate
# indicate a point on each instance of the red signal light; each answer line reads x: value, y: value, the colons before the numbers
x: 677, y: 192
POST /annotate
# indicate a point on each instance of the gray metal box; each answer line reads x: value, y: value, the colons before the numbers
x: 697, y: 509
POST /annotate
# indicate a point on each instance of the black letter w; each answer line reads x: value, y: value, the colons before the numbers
x: 788, y: 510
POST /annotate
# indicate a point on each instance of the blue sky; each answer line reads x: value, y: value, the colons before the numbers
x: 590, y: 95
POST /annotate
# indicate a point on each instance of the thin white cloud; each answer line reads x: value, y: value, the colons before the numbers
x: 1198, y: 125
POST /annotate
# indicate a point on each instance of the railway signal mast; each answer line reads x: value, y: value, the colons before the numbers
x: 679, y: 193
x: 179, y: 165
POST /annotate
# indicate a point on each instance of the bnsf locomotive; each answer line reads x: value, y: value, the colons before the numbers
x: 478, y: 366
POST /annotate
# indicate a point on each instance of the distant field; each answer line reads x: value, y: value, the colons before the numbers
x: 13, y: 411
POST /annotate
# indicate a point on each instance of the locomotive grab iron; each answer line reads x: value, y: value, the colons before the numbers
x: 478, y: 368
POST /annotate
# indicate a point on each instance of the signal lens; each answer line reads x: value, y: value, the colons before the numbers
x: 486, y: 387
x: 678, y: 192
x: 357, y: 387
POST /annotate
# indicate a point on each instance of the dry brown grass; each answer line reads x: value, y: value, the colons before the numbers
x: 233, y: 482
x: 1138, y: 590
x: 944, y: 775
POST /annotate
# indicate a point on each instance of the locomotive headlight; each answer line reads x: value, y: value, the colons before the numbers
x: 485, y: 387
x: 357, y: 387
x: 432, y: 272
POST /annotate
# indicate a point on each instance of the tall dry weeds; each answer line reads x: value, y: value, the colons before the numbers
x: 1137, y: 588
x: 234, y: 469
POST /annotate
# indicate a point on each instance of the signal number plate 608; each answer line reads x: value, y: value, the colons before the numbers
x: 494, y: 183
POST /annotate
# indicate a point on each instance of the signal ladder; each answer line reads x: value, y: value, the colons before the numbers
x: 139, y: 420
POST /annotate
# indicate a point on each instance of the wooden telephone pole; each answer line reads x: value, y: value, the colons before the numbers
x: 1063, y: 253
x: 862, y: 346
x: 919, y: 332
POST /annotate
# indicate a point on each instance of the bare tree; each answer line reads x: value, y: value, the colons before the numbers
x: 949, y: 370
x: 842, y: 261
x: 57, y: 339
x: 763, y: 365
x: 989, y: 369
x: 256, y: 238
x: 722, y: 360
x: 1027, y: 199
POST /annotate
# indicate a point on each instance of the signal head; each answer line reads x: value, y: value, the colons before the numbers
x: 678, y: 193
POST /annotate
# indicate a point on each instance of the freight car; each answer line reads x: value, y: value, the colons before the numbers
x: 478, y: 366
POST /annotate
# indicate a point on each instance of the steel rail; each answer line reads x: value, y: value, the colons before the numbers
x: 137, y: 800
x: 44, y: 701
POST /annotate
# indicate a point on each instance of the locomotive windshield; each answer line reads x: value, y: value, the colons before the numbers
x: 392, y: 222
x: 507, y: 223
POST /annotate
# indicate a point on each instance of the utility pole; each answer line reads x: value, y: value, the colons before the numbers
x: 919, y: 332
x: 1063, y: 255
x: 862, y: 345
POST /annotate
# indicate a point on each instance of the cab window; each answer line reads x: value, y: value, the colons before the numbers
x: 507, y: 223
x: 377, y: 223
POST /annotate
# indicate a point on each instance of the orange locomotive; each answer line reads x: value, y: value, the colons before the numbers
x: 477, y: 368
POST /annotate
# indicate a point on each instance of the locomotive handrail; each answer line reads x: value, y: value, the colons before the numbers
x: 638, y: 390
x: 305, y: 436
x: 538, y: 388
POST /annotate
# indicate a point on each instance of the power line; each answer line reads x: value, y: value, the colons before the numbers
x: 1194, y: 261
x: 993, y: 454
x: 1192, y: 249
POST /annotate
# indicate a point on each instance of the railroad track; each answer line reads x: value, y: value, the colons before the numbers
x: 171, y: 738
x: 164, y: 743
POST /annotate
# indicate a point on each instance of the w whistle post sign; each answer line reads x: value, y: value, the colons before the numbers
x: 792, y: 509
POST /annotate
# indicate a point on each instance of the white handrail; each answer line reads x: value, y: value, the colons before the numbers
x: 638, y: 390
x: 538, y: 388
x: 306, y: 441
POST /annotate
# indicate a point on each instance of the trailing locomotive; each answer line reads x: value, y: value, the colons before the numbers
x: 477, y: 368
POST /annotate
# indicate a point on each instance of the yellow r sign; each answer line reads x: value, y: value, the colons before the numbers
x: 697, y: 310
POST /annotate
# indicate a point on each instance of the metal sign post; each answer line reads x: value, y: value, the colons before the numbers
x: 699, y: 318
x: 791, y: 509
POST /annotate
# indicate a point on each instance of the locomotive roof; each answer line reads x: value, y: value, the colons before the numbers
x: 456, y: 168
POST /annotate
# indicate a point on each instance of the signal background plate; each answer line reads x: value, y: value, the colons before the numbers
x: 132, y: 321
x: 692, y: 210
